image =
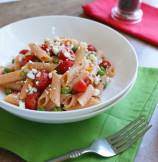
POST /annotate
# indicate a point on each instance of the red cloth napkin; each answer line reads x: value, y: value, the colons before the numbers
x: 146, y: 30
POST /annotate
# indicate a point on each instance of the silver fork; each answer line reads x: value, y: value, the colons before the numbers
x: 112, y: 145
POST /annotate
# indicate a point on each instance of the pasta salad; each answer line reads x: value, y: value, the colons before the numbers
x: 58, y: 75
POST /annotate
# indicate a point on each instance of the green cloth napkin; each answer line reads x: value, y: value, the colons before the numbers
x: 37, y: 142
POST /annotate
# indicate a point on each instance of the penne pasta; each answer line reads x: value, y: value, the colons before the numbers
x: 10, y: 77
x: 55, y: 88
x: 14, y: 86
x: 69, y: 101
x: 39, y: 53
x: 49, y: 106
x: 12, y: 98
x: 57, y: 75
x: 92, y: 101
x: 44, y: 98
x: 42, y: 66
x: 24, y: 89
x: 80, y: 56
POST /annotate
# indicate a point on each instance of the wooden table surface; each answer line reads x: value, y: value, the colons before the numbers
x: 147, y: 56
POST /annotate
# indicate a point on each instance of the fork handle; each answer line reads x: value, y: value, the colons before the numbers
x: 70, y: 155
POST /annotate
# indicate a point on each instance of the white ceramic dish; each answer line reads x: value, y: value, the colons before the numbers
x: 68, y: 119
x: 118, y: 50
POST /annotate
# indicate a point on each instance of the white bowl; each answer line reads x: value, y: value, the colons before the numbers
x: 118, y: 50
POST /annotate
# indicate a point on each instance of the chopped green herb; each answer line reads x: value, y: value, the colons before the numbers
x: 74, y: 48
x: 23, y: 74
x: 13, y: 60
x: 40, y: 109
x: 65, y: 90
x: 7, y: 91
x: 57, y: 109
x: 55, y: 60
x: 101, y: 71
x: 6, y: 70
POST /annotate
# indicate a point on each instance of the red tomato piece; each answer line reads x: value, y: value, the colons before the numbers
x: 42, y: 81
x: 105, y: 64
x: 51, y: 51
x: 91, y: 48
x: 27, y: 59
x: 44, y: 47
x: 64, y: 66
x: 24, y: 51
x: 62, y: 57
x: 87, y: 81
x: 80, y: 86
x: 31, y: 101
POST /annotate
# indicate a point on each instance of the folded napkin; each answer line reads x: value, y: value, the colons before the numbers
x: 145, y: 30
x: 37, y: 142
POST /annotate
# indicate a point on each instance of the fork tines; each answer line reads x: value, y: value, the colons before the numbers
x: 124, y: 138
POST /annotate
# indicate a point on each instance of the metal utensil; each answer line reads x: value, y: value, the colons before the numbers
x: 112, y: 145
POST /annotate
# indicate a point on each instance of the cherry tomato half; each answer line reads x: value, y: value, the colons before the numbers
x: 91, y: 48
x: 31, y: 101
x: 80, y: 86
x: 24, y: 51
x: 105, y: 64
x: 27, y: 59
x: 42, y: 81
x: 62, y: 57
x: 64, y: 66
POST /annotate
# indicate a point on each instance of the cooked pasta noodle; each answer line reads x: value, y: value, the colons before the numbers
x: 55, y: 88
x: 39, y: 53
x: 58, y: 75
x: 12, y: 98
x: 10, y: 77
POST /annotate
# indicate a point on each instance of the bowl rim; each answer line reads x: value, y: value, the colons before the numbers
x: 102, y: 104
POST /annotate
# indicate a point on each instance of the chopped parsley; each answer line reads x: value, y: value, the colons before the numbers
x: 7, y: 91
x: 65, y: 90
x: 6, y: 70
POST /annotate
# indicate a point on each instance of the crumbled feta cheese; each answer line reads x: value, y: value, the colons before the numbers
x: 38, y: 74
x: 34, y: 71
x: 30, y: 62
x: 93, y: 58
x: 84, y: 44
x: 50, y: 75
x: 97, y: 79
x: 21, y: 104
x: 55, y: 50
x: 68, y: 55
x: 31, y: 89
x: 96, y: 92
x: 31, y: 75
x: 37, y: 82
